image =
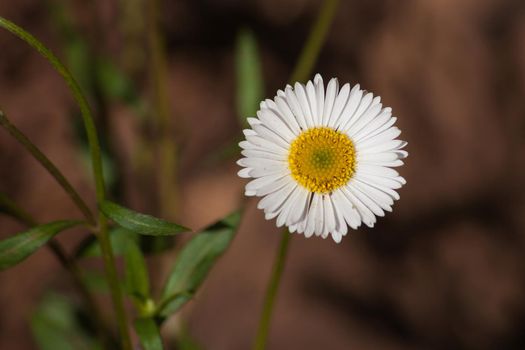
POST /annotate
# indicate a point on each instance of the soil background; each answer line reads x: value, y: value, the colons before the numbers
x: 445, y: 270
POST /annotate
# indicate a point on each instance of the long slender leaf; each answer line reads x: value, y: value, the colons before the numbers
x: 137, y: 279
x: 148, y: 333
x: 140, y: 223
x: 118, y: 236
x: 249, y: 76
x: 18, y: 247
x: 194, y: 262
x: 56, y: 325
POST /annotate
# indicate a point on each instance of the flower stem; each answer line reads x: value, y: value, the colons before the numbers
x: 48, y: 165
x: 96, y: 161
x: 301, y: 72
x: 271, y: 292
x: 315, y: 41
x: 165, y: 147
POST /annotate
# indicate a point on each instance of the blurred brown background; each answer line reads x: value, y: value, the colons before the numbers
x: 445, y: 270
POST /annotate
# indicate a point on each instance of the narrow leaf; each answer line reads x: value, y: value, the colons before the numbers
x: 58, y: 324
x: 194, y: 262
x: 249, y: 77
x: 18, y: 247
x: 137, y: 280
x: 148, y: 333
x: 118, y: 236
x: 138, y: 222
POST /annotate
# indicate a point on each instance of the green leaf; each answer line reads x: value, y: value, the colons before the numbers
x: 138, y: 222
x: 136, y: 276
x: 56, y: 325
x: 18, y: 247
x: 249, y: 77
x: 114, y: 83
x: 185, y: 340
x: 118, y: 236
x: 194, y: 262
x: 148, y: 333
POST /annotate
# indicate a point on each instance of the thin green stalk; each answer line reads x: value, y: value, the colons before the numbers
x: 96, y: 161
x: 69, y: 264
x: 48, y: 165
x: 301, y: 72
x: 271, y: 292
x: 315, y: 41
x: 165, y: 146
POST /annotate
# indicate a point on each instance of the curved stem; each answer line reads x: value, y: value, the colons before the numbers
x: 96, y: 161
x: 301, y: 72
x: 48, y: 165
x: 315, y: 41
x: 165, y: 146
x: 271, y: 292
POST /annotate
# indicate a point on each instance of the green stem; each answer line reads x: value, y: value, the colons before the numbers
x: 271, y: 292
x: 96, y: 161
x: 69, y: 264
x: 48, y: 165
x: 166, y: 149
x: 315, y: 41
x: 301, y: 72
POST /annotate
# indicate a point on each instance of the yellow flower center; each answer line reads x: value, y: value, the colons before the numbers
x: 322, y: 159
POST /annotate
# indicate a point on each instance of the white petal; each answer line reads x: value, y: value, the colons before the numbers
x: 275, y: 124
x: 266, y: 144
x: 305, y: 105
x: 274, y: 201
x: 381, y: 187
x: 293, y: 102
x: 329, y: 215
x: 363, y: 106
x: 319, y: 92
x: 311, y: 220
x: 301, y: 206
x: 356, y: 94
x: 331, y: 93
x: 366, y: 200
x: 288, y: 115
x: 371, y: 113
x: 312, y: 100
x: 380, y: 120
x: 270, y: 135
x: 263, y: 154
x: 339, y: 104
x: 383, y: 137
x: 244, y: 173
x: 366, y: 214
x: 346, y: 209
x: 377, y: 170
x: 292, y: 123
x: 319, y: 215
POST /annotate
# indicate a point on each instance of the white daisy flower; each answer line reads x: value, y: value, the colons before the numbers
x: 322, y: 160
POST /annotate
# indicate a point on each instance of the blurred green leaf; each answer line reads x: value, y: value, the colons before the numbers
x: 118, y: 236
x: 138, y: 222
x: 56, y: 326
x: 18, y: 247
x: 194, y: 262
x: 136, y: 276
x: 114, y: 83
x: 95, y: 280
x: 249, y: 77
x: 148, y: 333
x: 185, y: 341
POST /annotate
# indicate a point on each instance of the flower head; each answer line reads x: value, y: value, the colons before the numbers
x: 322, y: 160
